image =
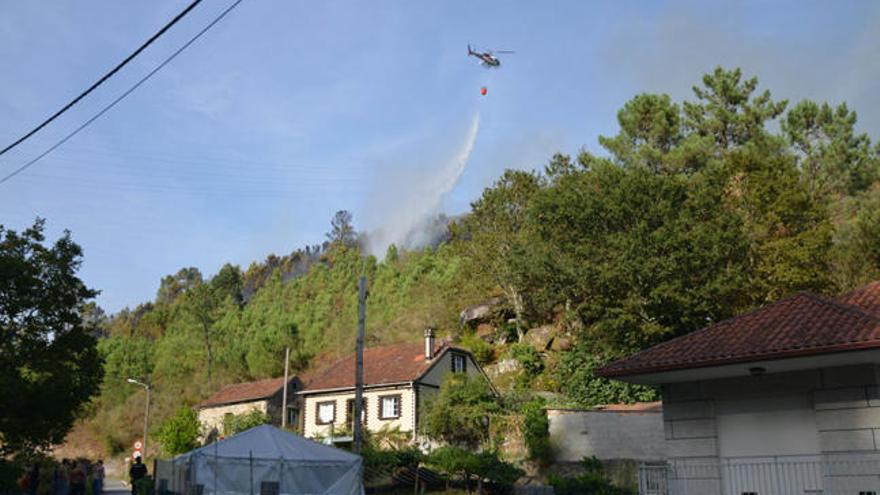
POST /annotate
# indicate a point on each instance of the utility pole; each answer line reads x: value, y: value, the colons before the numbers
x: 359, y: 369
x: 284, y: 397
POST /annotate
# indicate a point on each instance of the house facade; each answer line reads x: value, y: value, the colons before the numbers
x: 265, y: 396
x: 782, y: 400
x: 399, y: 380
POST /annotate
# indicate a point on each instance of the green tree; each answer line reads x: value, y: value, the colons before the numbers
x: 650, y: 129
x: 635, y: 257
x: 342, y: 231
x: 49, y: 362
x: 728, y: 110
x: 201, y: 302
x: 461, y: 412
x: 485, y: 465
x: 832, y: 156
x: 496, y: 236
x: 173, y: 286
x: 180, y: 433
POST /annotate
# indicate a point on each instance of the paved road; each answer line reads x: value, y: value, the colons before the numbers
x: 115, y: 487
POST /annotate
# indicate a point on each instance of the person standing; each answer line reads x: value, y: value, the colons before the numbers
x: 77, y: 480
x: 98, y: 478
x: 33, y: 479
x: 137, y: 471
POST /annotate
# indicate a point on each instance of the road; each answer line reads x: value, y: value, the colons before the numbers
x: 115, y: 487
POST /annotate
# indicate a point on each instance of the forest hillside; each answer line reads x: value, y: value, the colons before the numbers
x: 694, y: 212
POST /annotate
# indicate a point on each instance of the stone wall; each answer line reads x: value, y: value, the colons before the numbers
x: 607, y: 435
x: 211, y: 418
x: 848, y: 421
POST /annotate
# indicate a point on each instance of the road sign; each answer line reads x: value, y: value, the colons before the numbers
x: 136, y: 454
x: 138, y: 445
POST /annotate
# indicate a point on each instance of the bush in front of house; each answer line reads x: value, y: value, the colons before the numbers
x: 181, y: 432
x: 238, y: 423
x: 594, y: 481
x: 485, y: 466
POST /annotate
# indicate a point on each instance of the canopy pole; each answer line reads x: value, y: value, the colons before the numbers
x: 216, y: 467
x: 251, y: 457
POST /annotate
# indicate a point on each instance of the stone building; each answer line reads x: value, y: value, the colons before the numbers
x: 265, y: 396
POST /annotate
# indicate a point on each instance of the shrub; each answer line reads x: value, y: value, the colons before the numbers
x: 593, y: 481
x: 241, y: 422
x: 181, y: 432
x: 536, y: 431
x: 482, y: 351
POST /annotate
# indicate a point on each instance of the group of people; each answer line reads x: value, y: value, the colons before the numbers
x: 68, y: 478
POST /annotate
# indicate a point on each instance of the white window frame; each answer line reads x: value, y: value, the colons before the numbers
x: 383, y: 411
x: 455, y: 356
x: 318, y: 419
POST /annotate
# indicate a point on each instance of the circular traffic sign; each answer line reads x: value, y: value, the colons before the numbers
x: 136, y: 454
x: 138, y: 445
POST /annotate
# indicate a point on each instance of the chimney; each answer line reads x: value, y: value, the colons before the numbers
x: 429, y: 344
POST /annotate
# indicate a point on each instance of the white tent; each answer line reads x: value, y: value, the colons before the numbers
x: 261, y: 461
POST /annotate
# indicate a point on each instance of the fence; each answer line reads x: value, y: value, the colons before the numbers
x: 774, y: 475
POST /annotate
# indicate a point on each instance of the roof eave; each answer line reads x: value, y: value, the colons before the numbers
x: 850, y: 346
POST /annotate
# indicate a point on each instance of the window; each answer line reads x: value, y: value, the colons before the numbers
x: 349, y: 411
x: 459, y: 363
x: 389, y: 407
x: 326, y: 413
x: 292, y: 417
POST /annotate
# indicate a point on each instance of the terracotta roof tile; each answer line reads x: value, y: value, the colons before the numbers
x: 243, y: 392
x: 382, y: 365
x: 867, y: 298
x: 803, y: 324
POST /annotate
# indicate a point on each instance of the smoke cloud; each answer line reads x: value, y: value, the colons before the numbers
x: 406, y: 211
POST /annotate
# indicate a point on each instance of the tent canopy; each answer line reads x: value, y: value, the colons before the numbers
x: 264, y: 460
x: 269, y: 442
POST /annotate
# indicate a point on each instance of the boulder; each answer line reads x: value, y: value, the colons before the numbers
x: 486, y: 332
x: 479, y: 312
x: 540, y: 337
x: 502, y: 367
x: 561, y: 344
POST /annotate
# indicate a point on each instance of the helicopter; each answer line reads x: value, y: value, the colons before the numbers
x: 487, y: 58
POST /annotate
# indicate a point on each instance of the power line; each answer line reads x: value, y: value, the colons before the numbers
x: 106, y: 76
x: 123, y: 95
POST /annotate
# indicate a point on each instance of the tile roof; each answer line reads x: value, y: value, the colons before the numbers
x: 244, y: 392
x: 382, y: 365
x: 801, y: 325
x: 867, y: 298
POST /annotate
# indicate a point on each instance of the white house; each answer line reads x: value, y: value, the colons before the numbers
x: 399, y: 380
x: 782, y: 400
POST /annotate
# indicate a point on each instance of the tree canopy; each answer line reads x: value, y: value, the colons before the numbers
x: 49, y: 363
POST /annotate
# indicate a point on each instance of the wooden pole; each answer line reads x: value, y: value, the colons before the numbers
x: 359, y: 369
x: 284, y: 397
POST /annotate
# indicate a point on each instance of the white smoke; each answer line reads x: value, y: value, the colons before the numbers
x: 405, y: 212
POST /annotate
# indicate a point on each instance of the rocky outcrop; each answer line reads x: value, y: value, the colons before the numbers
x: 541, y: 338
x: 479, y: 313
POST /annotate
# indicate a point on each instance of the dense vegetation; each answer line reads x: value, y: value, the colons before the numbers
x: 696, y: 212
x: 49, y: 364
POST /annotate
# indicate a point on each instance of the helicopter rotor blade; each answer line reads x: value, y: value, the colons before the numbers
x: 504, y: 51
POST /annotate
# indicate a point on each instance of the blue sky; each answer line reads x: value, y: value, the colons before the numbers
x: 288, y: 111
